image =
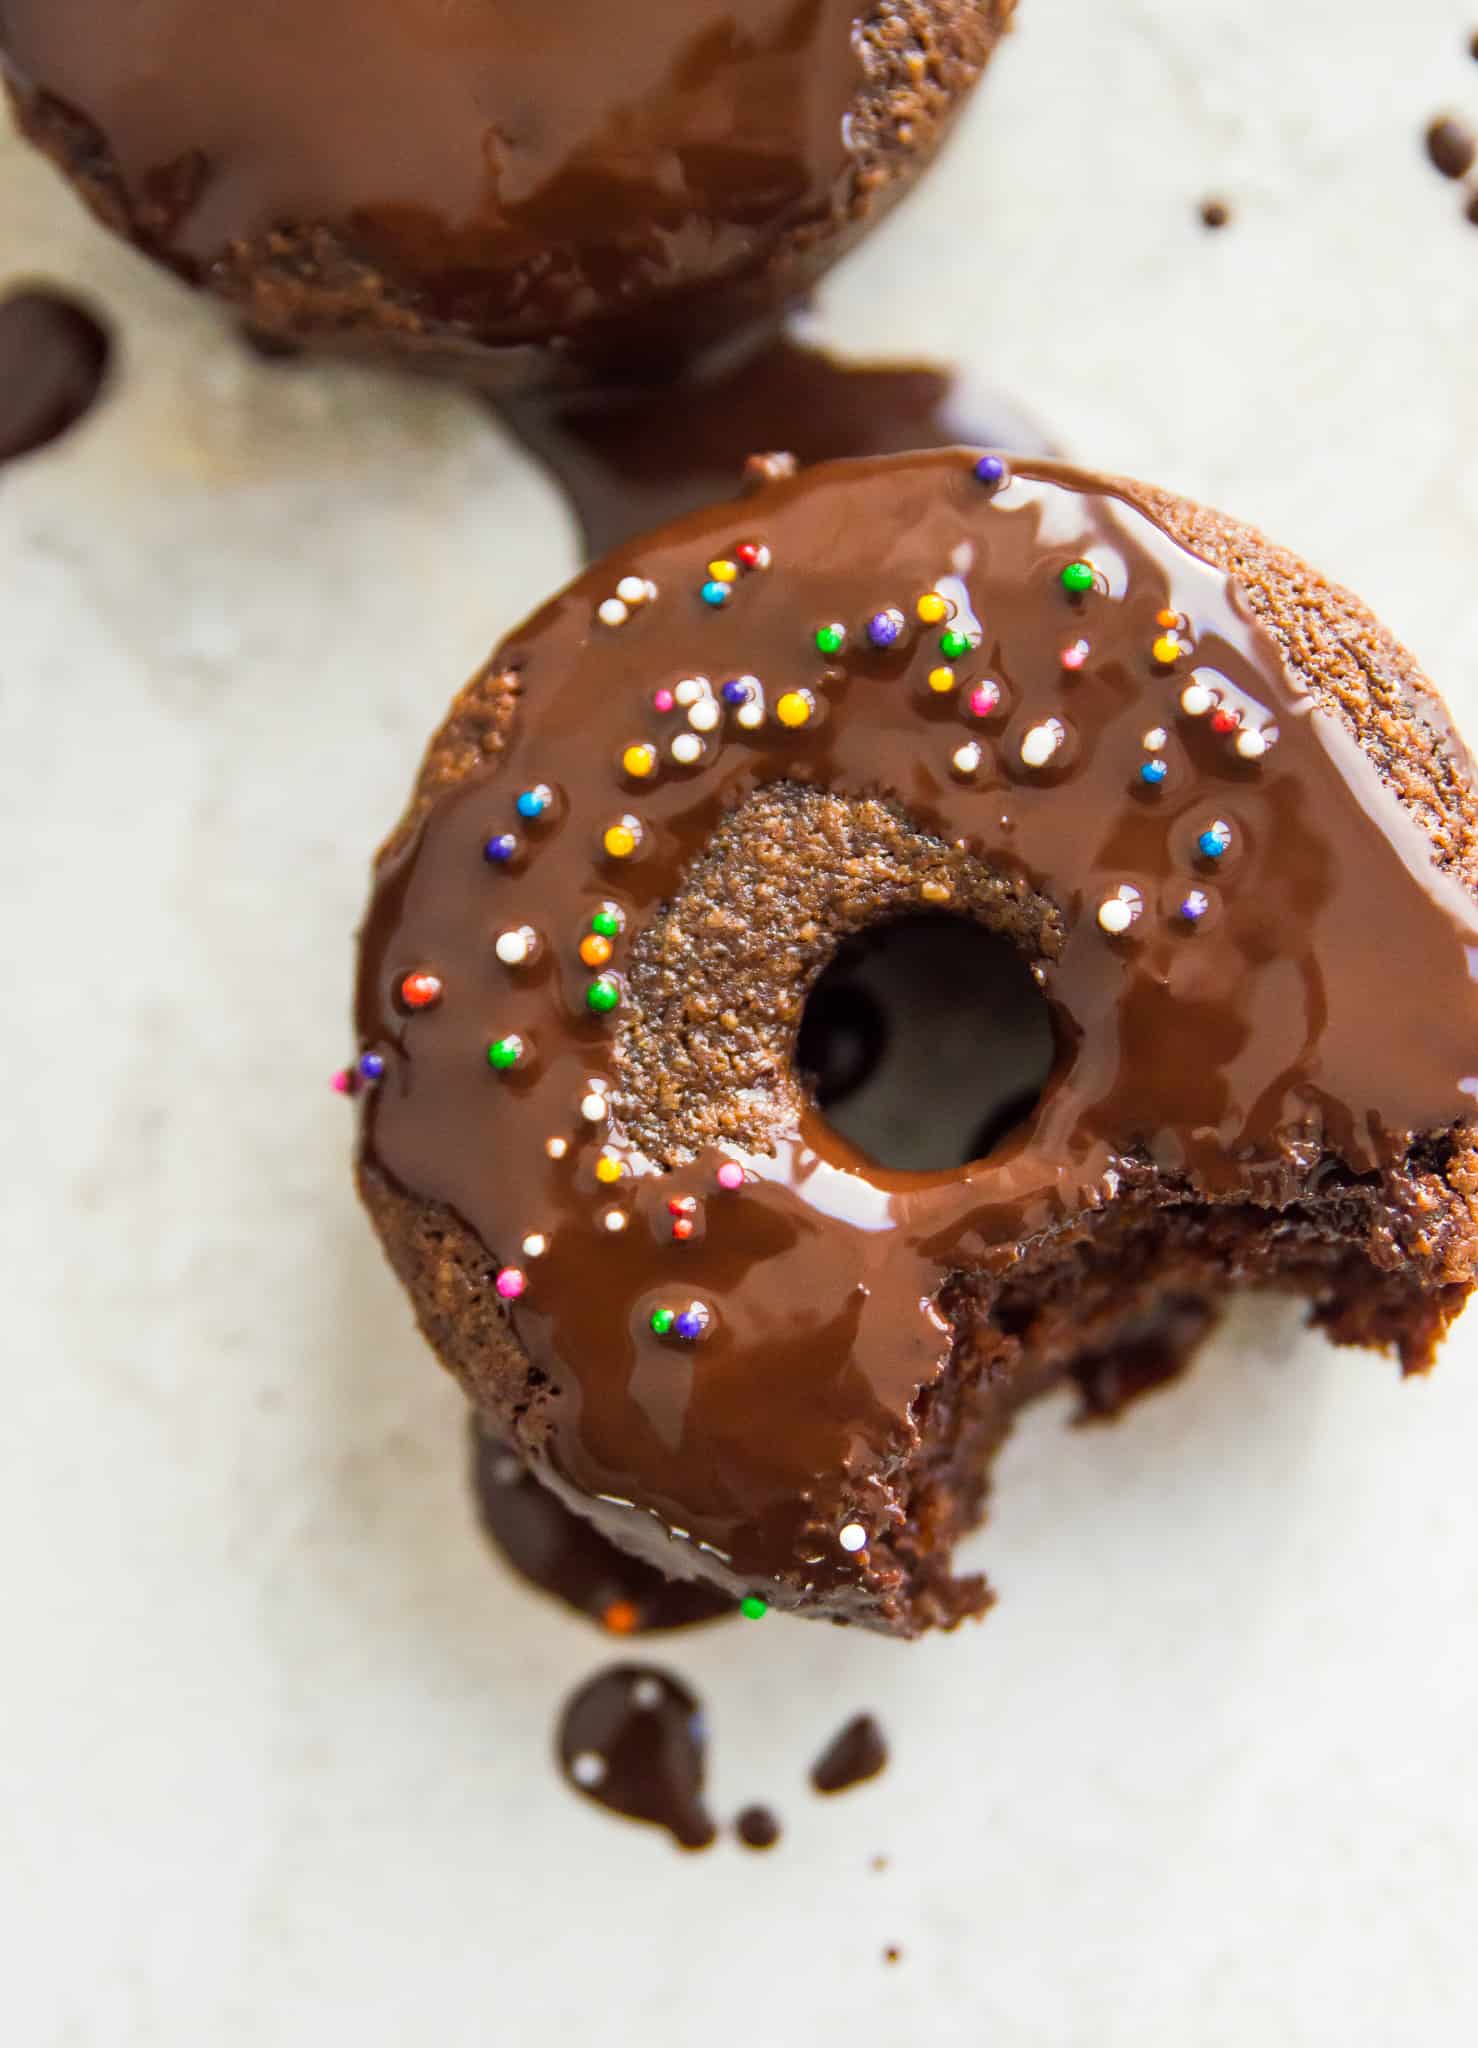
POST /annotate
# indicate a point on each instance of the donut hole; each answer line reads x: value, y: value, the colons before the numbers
x: 926, y: 1042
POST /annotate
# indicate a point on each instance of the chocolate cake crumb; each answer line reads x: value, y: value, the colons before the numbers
x: 1215, y: 213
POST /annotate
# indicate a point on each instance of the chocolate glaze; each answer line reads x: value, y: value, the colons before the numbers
x: 632, y: 1739
x: 757, y: 1828
x: 53, y: 363
x: 555, y: 150
x: 564, y: 1555
x: 856, y: 1753
x: 631, y: 459
x: 1230, y: 1055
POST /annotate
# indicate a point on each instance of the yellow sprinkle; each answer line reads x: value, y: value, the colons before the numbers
x: 934, y: 892
x: 1167, y: 618
x: 934, y: 609
x: 941, y: 679
x: 620, y: 840
x: 724, y: 572
x: 607, y: 1169
x: 795, y: 708
x: 639, y: 760
x: 1167, y: 650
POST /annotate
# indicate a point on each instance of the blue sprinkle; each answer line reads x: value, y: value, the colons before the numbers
x: 1214, y: 841
x: 500, y: 848
x: 691, y: 1324
x: 736, y: 692
x: 990, y: 470
x: 533, y: 803
x: 372, y: 1066
x: 715, y: 593
x: 1154, y: 773
x: 885, y: 629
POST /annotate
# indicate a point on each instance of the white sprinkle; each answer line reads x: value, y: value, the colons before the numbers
x: 704, y: 715
x: 1154, y: 739
x: 1196, y: 700
x: 614, y: 1219
x: 514, y: 948
x: 593, y: 1108
x: 535, y: 1247
x: 1117, y: 912
x: 1042, y: 742
x: 556, y: 1147
x: 651, y: 591
x: 966, y: 759
x: 750, y: 715
x: 689, y: 690
x: 632, y: 590
x: 686, y: 749
x: 613, y: 612
x: 646, y: 1694
x: 853, y: 1537
x: 1251, y: 744
x: 588, y: 1769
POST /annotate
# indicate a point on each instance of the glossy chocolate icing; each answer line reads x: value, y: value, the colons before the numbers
x: 54, y: 358
x: 1322, y: 1004
x: 632, y: 1739
x: 561, y: 152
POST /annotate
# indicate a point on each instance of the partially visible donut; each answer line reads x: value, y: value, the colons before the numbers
x: 498, y: 184
x: 1211, y: 802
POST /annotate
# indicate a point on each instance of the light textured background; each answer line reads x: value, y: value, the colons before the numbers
x: 273, y: 1729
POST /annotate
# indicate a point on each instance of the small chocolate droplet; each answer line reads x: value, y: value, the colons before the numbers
x: 1215, y: 213
x: 892, y: 1953
x: 857, y: 1753
x: 757, y: 1828
x: 53, y: 361
x: 1451, y: 146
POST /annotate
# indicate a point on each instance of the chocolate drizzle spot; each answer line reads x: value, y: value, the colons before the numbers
x: 632, y: 459
x: 1451, y: 147
x: 757, y: 1828
x: 564, y: 1555
x: 632, y: 1739
x: 53, y: 363
x: 1210, y: 1055
x: 1215, y: 213
x: 858, y: 1752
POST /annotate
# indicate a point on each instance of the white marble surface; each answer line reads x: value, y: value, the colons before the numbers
x: 273, y: 1730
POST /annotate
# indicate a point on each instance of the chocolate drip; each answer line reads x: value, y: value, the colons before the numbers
x: 757, y: 1828
x: 564, y: 1555
x: 1210, y: 945
x: 632, y: 1739
x: 53, y: 363
x: 856, y: 1753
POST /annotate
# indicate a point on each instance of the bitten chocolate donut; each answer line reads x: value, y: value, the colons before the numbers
x: 1211, y: 804
x: 480, y: 179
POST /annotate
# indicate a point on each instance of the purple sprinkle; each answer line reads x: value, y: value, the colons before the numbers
x: 990, y: 470
x: 691, y: 1324
x: 736, y: 692
x: 372, y: 1066
x: 501, y: 848
x: 1195, y: 906
x: 885, y: 629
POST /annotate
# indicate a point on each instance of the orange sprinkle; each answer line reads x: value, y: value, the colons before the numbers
x: 595, y: 951
x: 621, y: 1618
x: 1167, y: 618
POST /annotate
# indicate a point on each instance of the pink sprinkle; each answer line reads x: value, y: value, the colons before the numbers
x: 343, y: 1082
x: 511, y: 1283
x: 731, y: 1175
x: 983, y: 699
x: 663, y: 700
x: 1076, y: 655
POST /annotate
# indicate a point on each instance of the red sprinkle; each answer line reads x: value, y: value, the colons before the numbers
x: 747, y: 554
x: 1225, y: 720
x: 420, y: 991
x: 682, y: 1229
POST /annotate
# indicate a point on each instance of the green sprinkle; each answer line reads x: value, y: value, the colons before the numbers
x: 1077, y: 578
x: 602, y: 996
x: 504, y: 1053
x: 753, y: 1608
x: 953, y: 644
x: 831, y: 639
x: 606, y: 925
x: 662, y: 1321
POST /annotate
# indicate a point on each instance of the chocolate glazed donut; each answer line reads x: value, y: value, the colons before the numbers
x: 1215, y: 808
x: 495, y: 183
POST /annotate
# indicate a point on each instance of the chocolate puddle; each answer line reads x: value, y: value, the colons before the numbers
x: 633, y: 1740
x: 54, y: 358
